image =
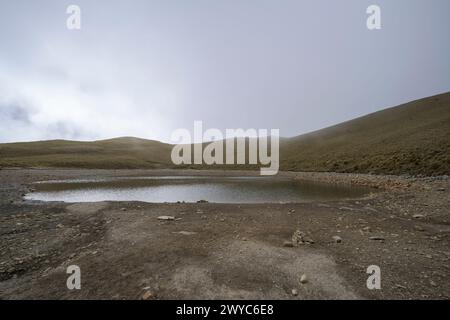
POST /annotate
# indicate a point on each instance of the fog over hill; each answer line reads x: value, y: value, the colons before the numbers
x: 412, y: 138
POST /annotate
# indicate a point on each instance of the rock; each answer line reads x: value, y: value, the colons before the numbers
x: 222, y: 220
x: 378, y: 238
x: 418, y: 216
x: 294, y: 292
x: 303, y: 279
x: 291, y: 210
x: 60, y: 225
x: 186, y: 233
x: 288, y: 244
x: 148, y: 295
x: 367, y: 229
x: 300, y: 238
x: 123, y: 209
x: 202, y: 201
x: 419, y: 228
x: 166, y: 218
x: 337, y: 239
x: 441, y: 189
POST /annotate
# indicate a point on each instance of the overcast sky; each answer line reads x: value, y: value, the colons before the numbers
x: 146, y: 68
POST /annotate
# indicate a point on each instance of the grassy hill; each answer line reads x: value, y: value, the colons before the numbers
x: 124, y: 152
x: 412, y: 138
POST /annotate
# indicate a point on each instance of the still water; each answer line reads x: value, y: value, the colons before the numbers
x: 192, y: 189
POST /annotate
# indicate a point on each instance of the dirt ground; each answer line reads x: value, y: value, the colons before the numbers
x: 227, y: 251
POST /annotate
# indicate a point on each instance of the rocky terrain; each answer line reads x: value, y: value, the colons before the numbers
x: 321, y: 250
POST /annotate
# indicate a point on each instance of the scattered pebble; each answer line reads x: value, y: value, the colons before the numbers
x: 288, y: 244
x: 166, y: 218
x: 186, y: 233
x: 294, y: 292
x: 303, y: 279
x: 377, y: 238
x: 148, y: 295
x: 337, y: 239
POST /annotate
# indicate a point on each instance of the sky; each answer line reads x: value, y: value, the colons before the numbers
x: 147, y: 68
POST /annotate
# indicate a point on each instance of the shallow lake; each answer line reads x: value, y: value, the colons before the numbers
x: 192, y: 189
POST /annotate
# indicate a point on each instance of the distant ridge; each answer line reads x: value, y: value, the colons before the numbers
x: 124, y: 152
x: 412, y: 138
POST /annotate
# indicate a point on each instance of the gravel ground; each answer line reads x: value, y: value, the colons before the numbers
x: 317, y: 250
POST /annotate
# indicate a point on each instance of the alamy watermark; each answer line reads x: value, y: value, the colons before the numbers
x: 374, y: 280
x: 74, y: 280
x: 212, y: 147
x: 73, y: 22
x: 374, y: 19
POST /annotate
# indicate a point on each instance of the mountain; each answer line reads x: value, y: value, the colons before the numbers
x: 412, y: 138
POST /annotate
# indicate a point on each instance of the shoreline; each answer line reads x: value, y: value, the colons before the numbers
x: 228, y: 251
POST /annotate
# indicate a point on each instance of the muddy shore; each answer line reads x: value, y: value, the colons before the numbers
x: 227, y: 251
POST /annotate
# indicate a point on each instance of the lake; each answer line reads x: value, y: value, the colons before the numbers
x: 192, y: 189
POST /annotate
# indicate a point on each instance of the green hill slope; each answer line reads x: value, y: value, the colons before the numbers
x: 411, y: 138
x: 113, y: 153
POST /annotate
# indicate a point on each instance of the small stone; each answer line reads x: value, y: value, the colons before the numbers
x: 60, y: 225
x: 202, y: 201
x: 123, y: 209
x: 441, y: 189
x: 367, y: 229
x: 166, y: 218
x: 186, y: 233
x: 148, y: 295
x: 288, y: 244
x: 379, y: 238
x: 303, y: 279
x: 418, y: 216
x: 337, y: 239
x: 294, y: 292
